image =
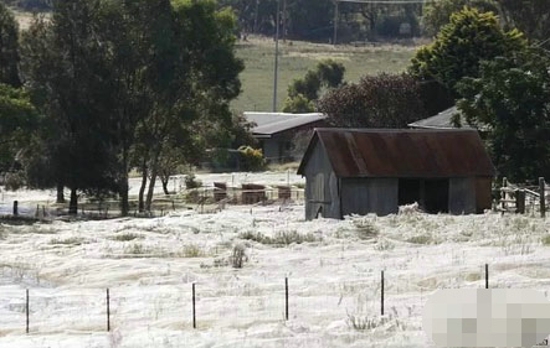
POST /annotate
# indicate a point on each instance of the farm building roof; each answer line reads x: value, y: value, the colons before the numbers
x: 402, y: 153
x: 443, y: 120
x: 270, y: 123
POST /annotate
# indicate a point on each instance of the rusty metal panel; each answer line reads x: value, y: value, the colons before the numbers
x: 404, y: 153
x: 484, y: 198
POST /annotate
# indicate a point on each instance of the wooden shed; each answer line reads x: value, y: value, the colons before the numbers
x: 362, y: 171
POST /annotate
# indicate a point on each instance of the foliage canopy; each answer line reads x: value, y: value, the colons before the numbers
x: 382, y: 101
x: 511, y: 99
x: 469, y: 38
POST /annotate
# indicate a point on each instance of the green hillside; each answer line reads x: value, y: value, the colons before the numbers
x: 296, y: 57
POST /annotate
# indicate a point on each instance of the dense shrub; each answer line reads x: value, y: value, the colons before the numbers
x: 192, y: 182
x: 251, y: 159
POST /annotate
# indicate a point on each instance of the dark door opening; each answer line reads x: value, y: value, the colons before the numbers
x: 409, y: 191
x: 436, y: 196
x: 432, y: 195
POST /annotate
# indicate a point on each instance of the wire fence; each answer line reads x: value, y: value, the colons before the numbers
x: 222, y: 303
x: 204, y: 199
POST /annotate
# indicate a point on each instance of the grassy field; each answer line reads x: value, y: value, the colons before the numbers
x: 297, y: 57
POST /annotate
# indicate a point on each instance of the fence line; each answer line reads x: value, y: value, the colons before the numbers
x: 516, y: 198
x: 199, y: 197
x: 31, y: 311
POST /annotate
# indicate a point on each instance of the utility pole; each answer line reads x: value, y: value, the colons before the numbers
x: 336, y: 16
x: 276, y: 58
x: 284, y: 21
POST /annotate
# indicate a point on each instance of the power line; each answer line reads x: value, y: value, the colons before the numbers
x: 389, y: 2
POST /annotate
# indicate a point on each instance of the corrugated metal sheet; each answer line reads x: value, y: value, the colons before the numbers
x: 442, y: 120
x: 403, y: 153
x: 270, y: 123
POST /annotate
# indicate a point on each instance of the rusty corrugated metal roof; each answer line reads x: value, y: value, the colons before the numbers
x: 402, y: 153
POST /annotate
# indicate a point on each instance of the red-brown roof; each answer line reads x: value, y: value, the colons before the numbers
x: 402, y: 153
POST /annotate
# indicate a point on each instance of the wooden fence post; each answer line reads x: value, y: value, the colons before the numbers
x: 486, y: 276
x: 194, y: 308
x: 27, y: 311
x: 520, y: 201
x: 503, y: 193
x: 382, y: 293
x: 542, y: 197
x: 286, y: 298
x: 108, y: 311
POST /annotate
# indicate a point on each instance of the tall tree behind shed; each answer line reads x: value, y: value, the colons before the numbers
x: 381, y: 101
x: 9, y: 50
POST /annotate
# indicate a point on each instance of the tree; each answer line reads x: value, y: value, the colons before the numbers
x: 510, y: 100
x: 437, y: 13
x: 139, y: 35
x: 298, y: 104
x: 310, y: 20
x: 202, y: 84
x: 18, y: 118
x: 175, y: 72
x: 384, y: 20
x: 126, y: 83
x: 9, y: 50
x: 383, y: 101
x: 65, y: 69
x: 303, y: 92
x: 469, y: 38
x: 253, y: 16
x: 532, y: 17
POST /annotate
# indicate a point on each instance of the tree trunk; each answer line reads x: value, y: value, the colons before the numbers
x: 124, y: 204
x: 73, y: 204
x: 60, y: 194
x: 144, y: 173
x: 154, y: 169
x: 165, y: 179
x: 154, y: 174
x: 124, y: 186
x: 151, y: 190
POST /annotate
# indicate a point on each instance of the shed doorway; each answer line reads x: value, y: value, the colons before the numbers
x: 432, y: 195
x: 437, y: 196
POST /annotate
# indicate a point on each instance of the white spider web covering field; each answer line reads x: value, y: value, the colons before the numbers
x: 334, y: 275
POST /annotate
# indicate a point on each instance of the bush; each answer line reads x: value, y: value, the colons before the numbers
x: 298, y: 104
x: 251, y: 159
x: 365, y: 229
x: 281, y: 238
x: 192, y: 182
x: 126, y: 237
x: 14, y: 181
x: 238, y: 256
x: 191, y: 251
x: 300, y: 142
x: 423, y: 239
x: 68, y: 241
